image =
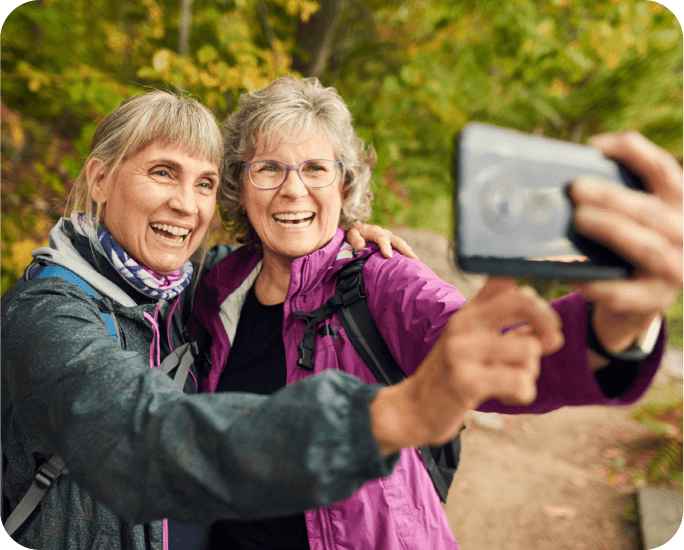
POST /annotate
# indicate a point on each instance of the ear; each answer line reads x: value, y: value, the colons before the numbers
x: 96, y: 176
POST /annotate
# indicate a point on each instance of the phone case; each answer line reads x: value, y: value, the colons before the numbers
x: 513, y: 217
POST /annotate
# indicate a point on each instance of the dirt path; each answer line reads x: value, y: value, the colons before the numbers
x: 544, y: 482
x: 559, y: 481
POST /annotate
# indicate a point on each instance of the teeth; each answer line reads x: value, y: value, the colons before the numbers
x: 171, y: 229
x: 293, y: 216
x: 176, y: 240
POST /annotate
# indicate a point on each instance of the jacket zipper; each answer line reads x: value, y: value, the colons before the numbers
x: 327, y: 543
x: 165, y: 534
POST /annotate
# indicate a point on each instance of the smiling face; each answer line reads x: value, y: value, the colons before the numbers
x: 293, y: 220
x: 158, y: 205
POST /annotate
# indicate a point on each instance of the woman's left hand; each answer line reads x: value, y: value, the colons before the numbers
x: 384, y: 238
x: 644, y: 228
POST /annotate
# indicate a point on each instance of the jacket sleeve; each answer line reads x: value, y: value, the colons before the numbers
x: 149, y: 451
x: 566, y: 378
x: 411, y: 307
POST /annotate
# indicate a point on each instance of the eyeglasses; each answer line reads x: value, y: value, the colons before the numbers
x: 269, y: 174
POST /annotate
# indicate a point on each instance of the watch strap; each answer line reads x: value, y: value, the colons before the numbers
x: 638, y: 352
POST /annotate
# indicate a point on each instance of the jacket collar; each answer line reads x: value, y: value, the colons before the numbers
x: 325, y: 262
x: 73, y: 251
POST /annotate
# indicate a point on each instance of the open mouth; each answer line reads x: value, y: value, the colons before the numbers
x: 170, y: 233
x: 298, y: 219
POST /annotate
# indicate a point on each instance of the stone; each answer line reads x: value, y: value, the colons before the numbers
x: 660, y: 514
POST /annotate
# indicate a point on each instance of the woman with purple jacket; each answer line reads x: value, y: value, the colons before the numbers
x: 296, y: 176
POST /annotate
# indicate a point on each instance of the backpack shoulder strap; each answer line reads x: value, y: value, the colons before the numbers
x: 60, y: 272
x: 45, y: 477
x: 360, y: 327
x: 52, y: 468
x: 354, y: 316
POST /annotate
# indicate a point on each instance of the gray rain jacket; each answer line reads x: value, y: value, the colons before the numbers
x: 137, y: 448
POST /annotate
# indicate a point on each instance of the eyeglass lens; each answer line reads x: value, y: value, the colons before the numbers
x: 314, y: 173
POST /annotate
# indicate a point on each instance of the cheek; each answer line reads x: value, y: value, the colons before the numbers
x: 208, y: 207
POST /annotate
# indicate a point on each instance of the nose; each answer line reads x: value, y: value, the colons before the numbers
x: 183, y: 199
x: 293, y: 187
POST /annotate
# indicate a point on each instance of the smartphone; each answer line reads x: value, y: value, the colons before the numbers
x: 513, y: 217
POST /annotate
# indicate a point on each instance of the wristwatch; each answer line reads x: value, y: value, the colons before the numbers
x: 640, y: 350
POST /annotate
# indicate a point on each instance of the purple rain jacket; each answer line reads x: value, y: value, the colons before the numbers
x: 411, y: 306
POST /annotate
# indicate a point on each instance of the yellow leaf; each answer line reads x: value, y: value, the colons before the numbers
x: 612, y: 60
x: 208, y: 80
x: 558, y: 88
x: 248, y: 84
x: 546, y: 28
x: 21, y: 251
x: 160, y: 61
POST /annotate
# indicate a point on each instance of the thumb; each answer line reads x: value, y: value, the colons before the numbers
x: 493, y: 287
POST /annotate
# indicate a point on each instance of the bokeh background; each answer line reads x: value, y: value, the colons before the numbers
x: 412, y: 72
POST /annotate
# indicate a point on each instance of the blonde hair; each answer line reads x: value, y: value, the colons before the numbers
x: 154, y: 117
x: 291, y: 109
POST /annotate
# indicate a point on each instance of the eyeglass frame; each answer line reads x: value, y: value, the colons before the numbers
x: 288, y: 167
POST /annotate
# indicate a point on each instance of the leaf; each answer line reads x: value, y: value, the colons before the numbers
x: 206, y: 53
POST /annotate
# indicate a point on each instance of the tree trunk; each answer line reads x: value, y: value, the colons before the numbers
x: 315, y: 38
x: 184, y: 30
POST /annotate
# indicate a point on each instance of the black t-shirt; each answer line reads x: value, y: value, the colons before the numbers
x: 257, y: 364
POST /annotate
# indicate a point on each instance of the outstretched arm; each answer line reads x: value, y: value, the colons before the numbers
x: 471, y: 362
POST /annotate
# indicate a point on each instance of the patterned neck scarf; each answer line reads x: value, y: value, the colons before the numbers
x: 138, y: 276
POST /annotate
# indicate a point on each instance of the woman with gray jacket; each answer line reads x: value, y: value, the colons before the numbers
x: 92, y: 423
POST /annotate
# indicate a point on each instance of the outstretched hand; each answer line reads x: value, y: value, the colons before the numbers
x: 472, y: 361
x: 644, y: 228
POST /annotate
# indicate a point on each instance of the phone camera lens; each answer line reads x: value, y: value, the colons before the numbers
x: 503, y: 206
x: 540, y: 208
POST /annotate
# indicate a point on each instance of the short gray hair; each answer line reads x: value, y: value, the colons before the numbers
x: 292, y: 107
x: 139, y: 121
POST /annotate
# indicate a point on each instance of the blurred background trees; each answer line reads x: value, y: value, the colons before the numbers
x: 412, y: 73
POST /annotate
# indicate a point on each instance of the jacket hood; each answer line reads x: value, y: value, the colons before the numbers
x: 61, y: 251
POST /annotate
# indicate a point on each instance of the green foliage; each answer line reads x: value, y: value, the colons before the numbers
x: 662, y: 413
x: 412, y: 73
x: 674, y: 318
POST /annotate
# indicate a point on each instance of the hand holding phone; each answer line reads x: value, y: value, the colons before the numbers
x: 513, y: 216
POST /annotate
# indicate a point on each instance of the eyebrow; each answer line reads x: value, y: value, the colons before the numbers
x: 178, y: 167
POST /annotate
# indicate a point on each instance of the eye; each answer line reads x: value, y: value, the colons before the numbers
x: 267, y: 167
x: 162, y: 173
x: 316, y: 166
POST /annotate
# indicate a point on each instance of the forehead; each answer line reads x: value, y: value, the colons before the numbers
x: 314, y: 144
x: 170, y: 152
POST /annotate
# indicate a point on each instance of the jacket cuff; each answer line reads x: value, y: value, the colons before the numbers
x: 573, y: 310
x: 363, y: 440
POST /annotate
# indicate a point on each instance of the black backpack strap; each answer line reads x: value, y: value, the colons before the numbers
x: 361, y: 330
x: 312, y: 319
x: 354, y: 316
x: 349, y: 302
